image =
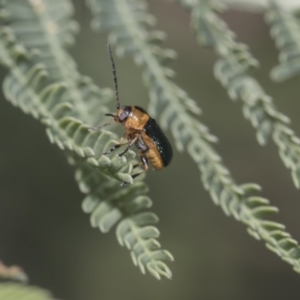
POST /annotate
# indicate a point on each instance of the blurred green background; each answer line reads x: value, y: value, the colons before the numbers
x: 42, y: 226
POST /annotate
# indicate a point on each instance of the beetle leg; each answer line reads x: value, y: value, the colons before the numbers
x: 129, y: 143
x: 144, y: 161
x: 128, y: 147
x: 114, y: 148
x: 136, y: 165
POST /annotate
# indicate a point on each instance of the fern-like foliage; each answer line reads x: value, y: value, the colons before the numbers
x: 17, y: 291
x: 46, y: 27
x: 128, y: 22
x: 259, y: 5
x: 108, y: 205
x: 233, y: 71
x: 285, y: 29
x: 27, y: 87
x: 32, y: 86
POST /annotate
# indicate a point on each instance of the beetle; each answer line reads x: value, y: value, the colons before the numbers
x: 141, y: 131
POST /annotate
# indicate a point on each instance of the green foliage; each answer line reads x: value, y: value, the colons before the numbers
x: 233, y: 71
x: 28, y: 88
x: 46, y: 27
x: 13, y: 285
x: 44, y: 82
x: 285, y: 29
x: 16, y: 291
x: 130, y: 32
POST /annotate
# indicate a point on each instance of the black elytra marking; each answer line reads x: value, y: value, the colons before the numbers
x: 163, y: 145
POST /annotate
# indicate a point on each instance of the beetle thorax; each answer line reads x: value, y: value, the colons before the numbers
x: 136, y: 120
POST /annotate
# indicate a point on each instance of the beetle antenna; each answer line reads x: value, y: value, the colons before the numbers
x: 114, y: 75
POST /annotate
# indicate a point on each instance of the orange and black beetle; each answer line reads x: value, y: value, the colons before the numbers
x: 141, y: 130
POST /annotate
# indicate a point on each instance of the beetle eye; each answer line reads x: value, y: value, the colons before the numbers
x: 125, y: 113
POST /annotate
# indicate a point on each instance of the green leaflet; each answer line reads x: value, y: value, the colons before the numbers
x: 43, y: 82
x: 128, y: 22
x: 16, y: 291
x: 285, y: 29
